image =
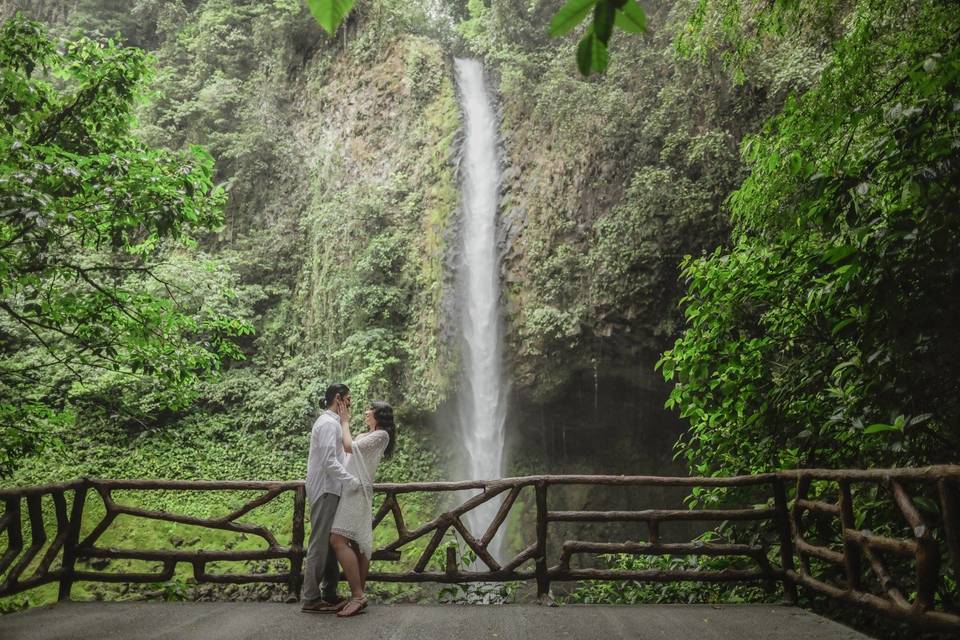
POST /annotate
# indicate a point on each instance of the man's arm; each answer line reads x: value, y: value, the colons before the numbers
x: 327, y: 435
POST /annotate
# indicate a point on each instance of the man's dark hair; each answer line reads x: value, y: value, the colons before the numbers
x: 332, y: 391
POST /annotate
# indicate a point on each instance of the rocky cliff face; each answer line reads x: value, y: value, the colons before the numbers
x: 609, y: 182
x: 339, y: 155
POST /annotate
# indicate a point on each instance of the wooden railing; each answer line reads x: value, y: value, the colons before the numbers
x: 809, y: 515
x: 921, y: 550
x: 67, y: 538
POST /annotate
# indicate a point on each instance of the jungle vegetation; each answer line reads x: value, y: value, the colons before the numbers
x: 211, y: 208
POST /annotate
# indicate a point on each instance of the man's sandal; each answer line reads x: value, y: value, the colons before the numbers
x: 354, y: 607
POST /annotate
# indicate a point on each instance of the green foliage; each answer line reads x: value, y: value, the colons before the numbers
x: 222, y: 79
x: 89, y: 216
x: 821, y: 333
x: 739, y: 34
x: 826, y: 335
x: 369, y: 284
x: 217, y: 84
x: 609, y: 182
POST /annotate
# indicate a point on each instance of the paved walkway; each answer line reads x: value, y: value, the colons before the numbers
x: 242, y: 620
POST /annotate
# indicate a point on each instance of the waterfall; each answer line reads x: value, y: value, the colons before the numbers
x: 482, y: 399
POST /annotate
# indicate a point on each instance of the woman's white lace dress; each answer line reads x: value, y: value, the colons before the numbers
x: 354, y: 519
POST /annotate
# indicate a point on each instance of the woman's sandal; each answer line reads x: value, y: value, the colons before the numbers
x: 354, y: 607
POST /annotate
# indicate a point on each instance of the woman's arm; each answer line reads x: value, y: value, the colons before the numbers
x: 345, y: 434
x: 326, y: 441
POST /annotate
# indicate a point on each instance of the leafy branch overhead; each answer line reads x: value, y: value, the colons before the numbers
x: 593, y: 50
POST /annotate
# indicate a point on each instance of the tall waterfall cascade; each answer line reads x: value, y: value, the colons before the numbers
x: 482, y: 399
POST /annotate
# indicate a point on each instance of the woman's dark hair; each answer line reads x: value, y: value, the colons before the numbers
x: 383, y: 414
x: 332, y: 391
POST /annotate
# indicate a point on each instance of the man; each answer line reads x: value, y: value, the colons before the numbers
x: 326, y: 476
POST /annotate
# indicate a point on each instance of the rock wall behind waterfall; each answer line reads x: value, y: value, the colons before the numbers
x: 609, y: 182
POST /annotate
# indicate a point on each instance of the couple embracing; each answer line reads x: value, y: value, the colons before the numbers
x: 339, y: 486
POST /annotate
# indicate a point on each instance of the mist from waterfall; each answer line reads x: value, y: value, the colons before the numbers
x: 482, y: 400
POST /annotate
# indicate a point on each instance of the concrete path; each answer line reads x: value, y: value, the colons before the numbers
x: 266, y: 621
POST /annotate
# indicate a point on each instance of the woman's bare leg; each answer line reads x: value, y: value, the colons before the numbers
x: 347, y: 558
x: 364, y: 569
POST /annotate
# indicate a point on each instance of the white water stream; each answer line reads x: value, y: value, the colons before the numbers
x: 482, y: 400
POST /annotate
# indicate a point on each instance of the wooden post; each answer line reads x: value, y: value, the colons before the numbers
x: 851, y: 550
x: 928, y: 552
x: 786, y: 541
x: 950, y: 508
x: 796, y: 520
x: 543, y: 580
x: 451, y: 568
x: 70, y: 546
x: 12, y: 517
x: 37, y: 537
x: 653, y: 526
x: 296, y: 544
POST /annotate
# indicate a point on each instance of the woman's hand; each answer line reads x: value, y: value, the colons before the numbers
x: 343, y: 411
x: 345, y: 433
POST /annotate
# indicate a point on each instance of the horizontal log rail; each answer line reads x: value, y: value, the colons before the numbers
x: 572, y: 547
x: 817, y: 505
x: 851, y: 564
x: 660, y: 515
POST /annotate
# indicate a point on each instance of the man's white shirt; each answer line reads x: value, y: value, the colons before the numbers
x: 325, y: 463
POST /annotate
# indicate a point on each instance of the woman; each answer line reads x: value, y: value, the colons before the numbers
x: 351, y: 535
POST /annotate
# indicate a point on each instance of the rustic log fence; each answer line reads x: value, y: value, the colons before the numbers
x: 844, y: 562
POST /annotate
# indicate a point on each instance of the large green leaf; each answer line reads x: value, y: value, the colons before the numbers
x: 880, y: 428
x: 569, y: 16
x: 330, y: 13
x: 839, y: 253
x: 592, y: 54
x: 585, y: 53
x: 600, y: 55
x: 631, y: 17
